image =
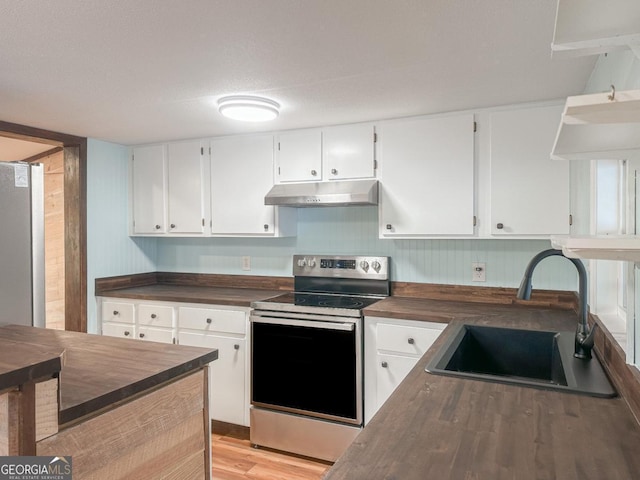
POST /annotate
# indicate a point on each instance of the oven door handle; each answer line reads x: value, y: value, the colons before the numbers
x: 347, y: 327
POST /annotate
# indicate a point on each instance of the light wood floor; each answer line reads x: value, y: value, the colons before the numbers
x: 235, y: 459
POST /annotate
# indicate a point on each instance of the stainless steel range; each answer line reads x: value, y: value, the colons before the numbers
x: 307, y: 369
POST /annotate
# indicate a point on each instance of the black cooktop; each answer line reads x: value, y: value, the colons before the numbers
x: 320, y: 300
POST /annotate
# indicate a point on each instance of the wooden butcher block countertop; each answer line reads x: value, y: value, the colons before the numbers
x: 99, y: 371
x: 239, y: 297
x: 437, y: 427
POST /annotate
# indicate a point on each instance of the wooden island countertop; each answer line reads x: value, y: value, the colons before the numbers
x: 120, y: 408
x: 438, y: 427
x: 99, y: 371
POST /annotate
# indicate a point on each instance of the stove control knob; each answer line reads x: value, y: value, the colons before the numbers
x: 312, y: 262
x: 364, y: 265
x: 302, y: 262
x: 376, y: 265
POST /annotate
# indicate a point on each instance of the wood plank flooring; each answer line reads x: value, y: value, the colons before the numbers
x: 235, y: 459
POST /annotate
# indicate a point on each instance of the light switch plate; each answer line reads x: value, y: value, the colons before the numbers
x: 246, y: 263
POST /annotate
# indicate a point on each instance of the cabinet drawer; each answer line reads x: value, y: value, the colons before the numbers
x: 406, y: 340
x: 151, y: 334
x: 117, y: 312
x: 155, y: 316
x: 118, y: 330
x: 212, y: 320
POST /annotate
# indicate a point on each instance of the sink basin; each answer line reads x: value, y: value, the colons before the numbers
x: 530, y: 358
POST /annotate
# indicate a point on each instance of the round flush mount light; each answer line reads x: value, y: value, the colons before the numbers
x: 248, y: 108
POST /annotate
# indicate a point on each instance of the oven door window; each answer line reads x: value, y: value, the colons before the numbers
x: 312, y: 370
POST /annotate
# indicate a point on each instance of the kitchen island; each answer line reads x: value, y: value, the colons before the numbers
x: 126, y: 408
x: 438, y: 427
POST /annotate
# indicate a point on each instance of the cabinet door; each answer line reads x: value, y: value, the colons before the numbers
x: 299, y: 156
x: 241, y: 175
x: 186, y: 191
x: 149, y: 189
x: 228, y: 399
x: 348, y: 152
x: 427, y: 177
x: 391, y: 370
x: 529, y: 191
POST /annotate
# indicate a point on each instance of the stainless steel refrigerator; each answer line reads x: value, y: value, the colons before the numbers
x: 22, y: 284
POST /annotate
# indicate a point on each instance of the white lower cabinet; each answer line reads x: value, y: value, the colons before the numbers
x: 210, y: 326
x: 226, y: 329
x: 392, y: 347
x: 117, y: 318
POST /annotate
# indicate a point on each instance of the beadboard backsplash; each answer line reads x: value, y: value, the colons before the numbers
x: 354, y: 230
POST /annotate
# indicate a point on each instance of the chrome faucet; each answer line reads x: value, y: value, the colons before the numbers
x: 584, y: 335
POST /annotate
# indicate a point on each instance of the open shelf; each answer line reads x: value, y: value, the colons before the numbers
x: 603, y: 247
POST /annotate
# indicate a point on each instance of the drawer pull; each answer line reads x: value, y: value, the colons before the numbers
x: 142, y: 335
x: 153, y: 315
x: 126, y: 333
x: 116, y: 312
x: 209, y: 320
x: 236, y: 347
x: 384, y: 364
x: 411, y: 341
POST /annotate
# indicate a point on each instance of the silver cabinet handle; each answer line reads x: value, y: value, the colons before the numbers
x: 173, y: 225
x: 411, y: 341
x: 314, y: 173
x: 142, y: 335
x: 153, y: 315
x: 334, y: 171
x: 500, y: 226
x: 384, y: 364
x: 158, y: 227
x: 236, y: 347
x: 116, y: 312
x: 209, y: 320
x: 389, y: 226
x: 126, y: 333
x: 266, y: 227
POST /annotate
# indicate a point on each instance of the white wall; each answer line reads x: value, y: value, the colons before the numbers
x: 110, y: 251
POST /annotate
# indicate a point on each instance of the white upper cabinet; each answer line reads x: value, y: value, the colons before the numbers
x: 529, y: 192
x: 168, y: 189
x: 331, y: 153
x: 299, y: 156
x: 427, y: 177
x: 149, y: 190
x: 241, y: 175
x: 348, y: 152
x: 186, y: 188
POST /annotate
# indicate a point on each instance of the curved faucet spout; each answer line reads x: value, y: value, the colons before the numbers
x: 584, y: 335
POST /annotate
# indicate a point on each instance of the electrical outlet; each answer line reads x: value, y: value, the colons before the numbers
x: 246, y: 263
x: 478, y: 272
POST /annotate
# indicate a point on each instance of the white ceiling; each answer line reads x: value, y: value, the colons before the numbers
x: 142, y: 71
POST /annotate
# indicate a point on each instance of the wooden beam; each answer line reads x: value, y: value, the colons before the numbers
x: 40, y: 156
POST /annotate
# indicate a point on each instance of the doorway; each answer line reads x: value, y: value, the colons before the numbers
x: 70, y: 171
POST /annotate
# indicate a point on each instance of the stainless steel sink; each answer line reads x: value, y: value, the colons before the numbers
x: 528, y: 358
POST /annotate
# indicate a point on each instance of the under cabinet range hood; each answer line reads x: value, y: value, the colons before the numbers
x: 324, y: 194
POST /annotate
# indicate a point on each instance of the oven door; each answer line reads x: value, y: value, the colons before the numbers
x: 307, y: 364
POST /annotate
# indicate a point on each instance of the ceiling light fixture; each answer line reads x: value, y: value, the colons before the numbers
x: 248, y: 108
